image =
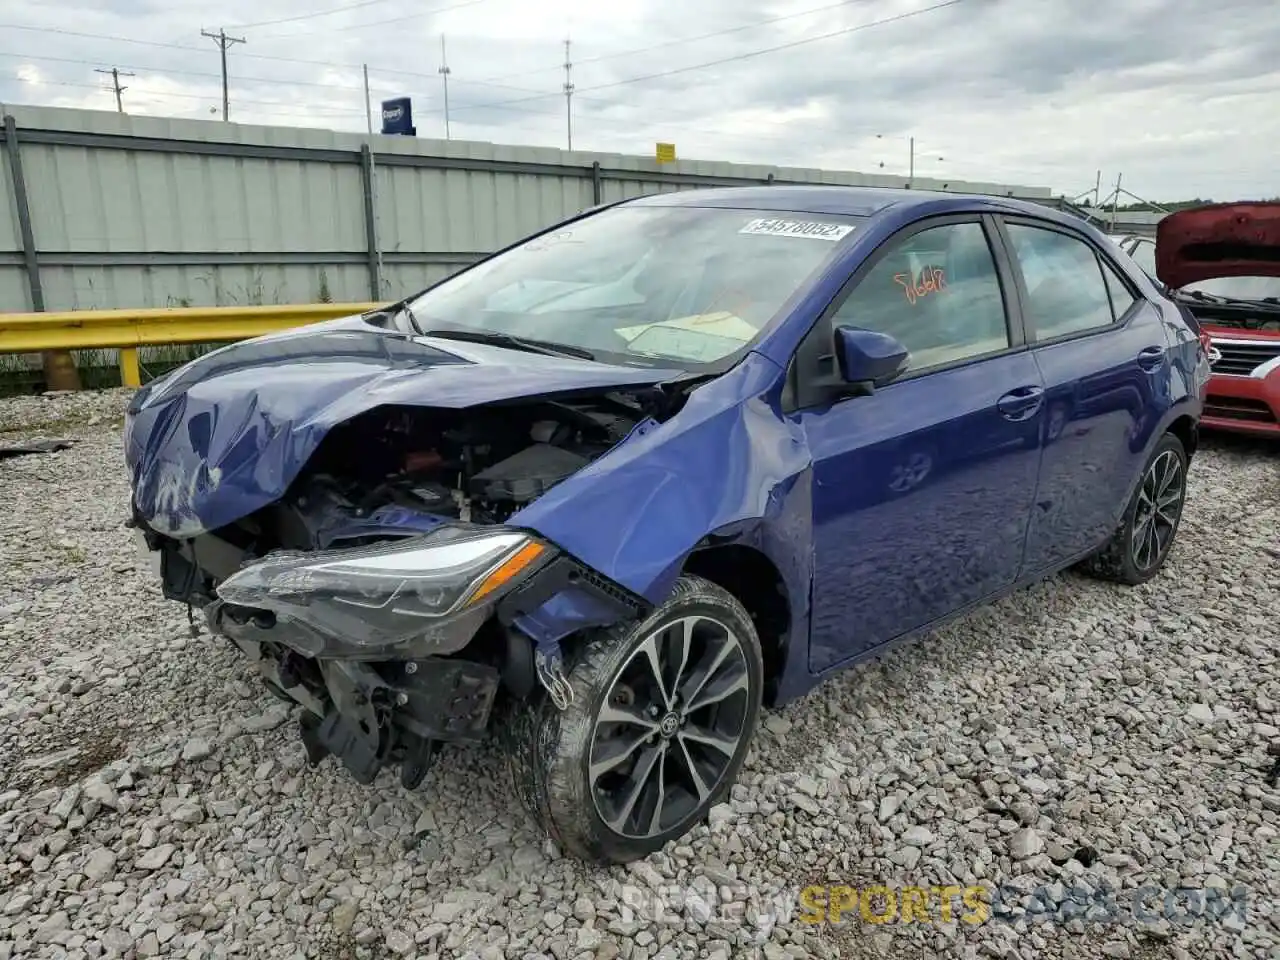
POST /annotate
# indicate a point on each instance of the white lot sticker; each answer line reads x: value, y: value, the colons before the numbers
x: 798, y: 228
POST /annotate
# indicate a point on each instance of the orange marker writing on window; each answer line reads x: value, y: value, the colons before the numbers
x: 930, y: 280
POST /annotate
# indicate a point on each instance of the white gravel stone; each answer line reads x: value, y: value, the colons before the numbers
x: 155, y: 858
x: 196, y: 749
x: 1073, y: 736
x: 1025, y: 843
x: 918, y: 836
x: 101, y: 793
x: 100, y: 865
x: 399, y: 942
x: 1201, y: 713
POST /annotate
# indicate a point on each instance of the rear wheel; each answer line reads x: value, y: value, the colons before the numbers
x: 1139, y: 547
x: 660, y: 721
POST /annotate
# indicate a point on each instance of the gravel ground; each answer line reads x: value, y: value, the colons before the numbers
x: 1073, y: 739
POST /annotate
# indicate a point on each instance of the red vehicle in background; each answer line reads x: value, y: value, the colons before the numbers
x: 1222, y: 263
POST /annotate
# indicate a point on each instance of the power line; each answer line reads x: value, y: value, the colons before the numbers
x: 308, y: 16
x: 170, y: 95
x: 167, y: 46
x: 748, y: 55
x: 374, y: 23
x: 180, y: 72
x: 99, y: 36
x: 223, y: 41
x: 115, y: 83
x: 683, y: 40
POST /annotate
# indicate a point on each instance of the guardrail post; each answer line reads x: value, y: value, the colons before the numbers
x: 370, y: 222
x: 130, y: 371
x: 59, y: 368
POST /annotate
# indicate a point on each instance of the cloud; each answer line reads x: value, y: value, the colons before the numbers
x: 1175, y: 96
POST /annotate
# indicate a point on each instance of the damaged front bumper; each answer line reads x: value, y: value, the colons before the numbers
x: 397, y: 647
x: 369, y: 714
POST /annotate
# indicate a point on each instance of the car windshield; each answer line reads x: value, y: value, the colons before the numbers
x: 689, y: 287
x: 1238, y: 288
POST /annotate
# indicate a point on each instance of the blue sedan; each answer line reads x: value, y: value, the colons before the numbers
x: 613, y: 489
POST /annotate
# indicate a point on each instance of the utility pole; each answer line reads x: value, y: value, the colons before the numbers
x: 115, y: 83
x: 223, y: 41
x: 444, y: 78
x: 1115, y: 203
x: 911, y: 169
x: 1097, y: 189
x: 368, y: 106
x: 568, y: 94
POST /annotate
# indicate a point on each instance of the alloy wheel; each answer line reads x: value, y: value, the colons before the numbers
x: 1160, y: 501
x: 669, y: 727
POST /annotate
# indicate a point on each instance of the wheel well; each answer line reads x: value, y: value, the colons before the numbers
x: 755, y: 582
x: 1184, y: 428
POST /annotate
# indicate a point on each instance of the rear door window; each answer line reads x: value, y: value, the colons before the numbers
x: 1066, y: 290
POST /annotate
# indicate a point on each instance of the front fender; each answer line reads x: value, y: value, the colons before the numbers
x: 727, y: 466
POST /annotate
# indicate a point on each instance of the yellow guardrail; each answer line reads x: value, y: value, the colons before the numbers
x: 128, y: 330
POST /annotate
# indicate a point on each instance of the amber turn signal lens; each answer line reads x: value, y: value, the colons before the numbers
x: 507, y: 571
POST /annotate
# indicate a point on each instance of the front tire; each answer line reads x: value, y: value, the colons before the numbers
x: 1139, y: 547
x: 660, y: 722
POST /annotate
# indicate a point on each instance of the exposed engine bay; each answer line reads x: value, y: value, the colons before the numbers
x: 397, y: 475
x: 477, y: 466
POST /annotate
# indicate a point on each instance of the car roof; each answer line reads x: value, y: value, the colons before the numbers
x: 842, y: 200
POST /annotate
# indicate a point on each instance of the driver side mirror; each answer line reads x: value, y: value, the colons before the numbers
x: 869, y: 359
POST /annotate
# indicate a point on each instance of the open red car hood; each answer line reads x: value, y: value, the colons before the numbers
x: 1218, y: 240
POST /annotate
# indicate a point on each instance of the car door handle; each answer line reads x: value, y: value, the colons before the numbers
x: 1151, y: 358
x: 1020, y: 404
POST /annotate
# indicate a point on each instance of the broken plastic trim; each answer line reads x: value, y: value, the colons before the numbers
x: 427, y: 594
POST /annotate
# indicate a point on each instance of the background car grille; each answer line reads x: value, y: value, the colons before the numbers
x: 1241, y: 358
x: 1238, y: 408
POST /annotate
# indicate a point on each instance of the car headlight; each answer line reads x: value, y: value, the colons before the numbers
x: 419, y: 596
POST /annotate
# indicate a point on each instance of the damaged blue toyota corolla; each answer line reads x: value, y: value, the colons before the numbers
x: 633, y: 477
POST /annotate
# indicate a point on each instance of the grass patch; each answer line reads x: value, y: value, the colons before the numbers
x: 73, y: 553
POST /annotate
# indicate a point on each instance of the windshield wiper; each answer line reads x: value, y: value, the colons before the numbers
x: 1269, y: 303
x: 492, y: 338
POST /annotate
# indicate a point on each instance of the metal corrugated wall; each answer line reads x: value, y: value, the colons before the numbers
x: 141, y: 211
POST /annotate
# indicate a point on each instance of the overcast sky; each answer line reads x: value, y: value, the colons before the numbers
x: 1178, y: 96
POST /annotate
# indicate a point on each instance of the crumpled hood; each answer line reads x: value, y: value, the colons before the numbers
x: 228, y: 433
x: 1218, y: 240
